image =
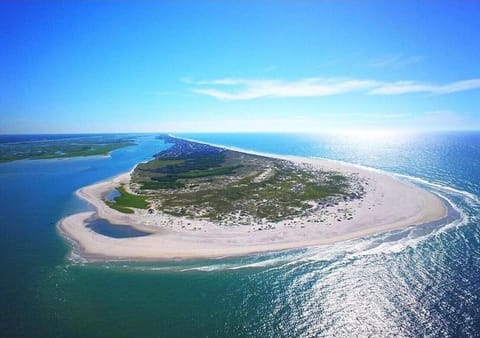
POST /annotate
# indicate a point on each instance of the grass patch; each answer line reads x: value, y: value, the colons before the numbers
x: 286, y: 193
x: 170, y: 181
x: 167, y: 172
x: 125, y: 201
x: 167, y: 181
x: 120, y: 208
x: 208, y: 172
x: 162, y: 183
x: 159, y: 163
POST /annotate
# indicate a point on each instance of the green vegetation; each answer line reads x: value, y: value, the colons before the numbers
x: 125, y: 201
x: 201, y: 181
x: 157, y: 163
x: 73, y: 147
x: 120, y: 208
x: 171, y: 181
x: 287, y: 193
x: 167, y: 172
x: 208, y: 172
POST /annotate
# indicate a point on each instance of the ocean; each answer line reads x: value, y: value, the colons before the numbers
x: 420, y: 281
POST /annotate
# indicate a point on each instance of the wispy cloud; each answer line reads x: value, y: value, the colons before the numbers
x: 245, y: 89
x: 230, y: 89
x: 406, y: 87
x: 381, y: 116
x: 269, y: 69
x: 396, y: 61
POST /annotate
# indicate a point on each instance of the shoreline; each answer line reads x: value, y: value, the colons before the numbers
x: 389, y: 204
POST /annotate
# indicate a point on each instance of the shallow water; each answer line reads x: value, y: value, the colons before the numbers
x: 112, y: 195
x: 413, y: 282
x: 105, y: 228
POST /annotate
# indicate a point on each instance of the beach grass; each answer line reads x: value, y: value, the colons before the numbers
x: 159, y: 163
x: 120, y: 208
x: 126, y: 201
x: 287, y: 193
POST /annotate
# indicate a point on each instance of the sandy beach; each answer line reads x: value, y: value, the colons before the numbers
x: 387, y: 205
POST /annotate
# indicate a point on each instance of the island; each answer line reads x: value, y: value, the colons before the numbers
x: 38, y: 147
x: 196, y: 200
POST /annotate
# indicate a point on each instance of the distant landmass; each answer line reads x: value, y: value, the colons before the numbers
x: 35, y: 147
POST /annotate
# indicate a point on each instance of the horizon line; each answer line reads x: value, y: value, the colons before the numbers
x: 359, y: 130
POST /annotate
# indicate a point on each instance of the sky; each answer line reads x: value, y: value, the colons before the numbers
x: 230, y: 66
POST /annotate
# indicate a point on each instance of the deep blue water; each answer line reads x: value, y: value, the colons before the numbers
x: 413, y: 282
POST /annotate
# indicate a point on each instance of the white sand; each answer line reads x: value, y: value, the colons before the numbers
x: 388, y: 204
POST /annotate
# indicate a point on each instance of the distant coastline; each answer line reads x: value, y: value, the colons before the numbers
x: 388, y: 204
x: 59, y: 146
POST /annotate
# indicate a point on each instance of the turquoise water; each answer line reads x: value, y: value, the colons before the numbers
x: 413, y: 282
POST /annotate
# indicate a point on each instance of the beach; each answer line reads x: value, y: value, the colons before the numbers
x: 387, y: 205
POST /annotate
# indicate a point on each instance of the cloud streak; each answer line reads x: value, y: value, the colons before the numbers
x: 407, y: 87
x: 246, y: 89
x: 230, y: 89
x: 396, y: 61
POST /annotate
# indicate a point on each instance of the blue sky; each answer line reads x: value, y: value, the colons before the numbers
x: 239, y: 66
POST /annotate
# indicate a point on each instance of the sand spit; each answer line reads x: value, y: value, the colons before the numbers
x: 388, y: 204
